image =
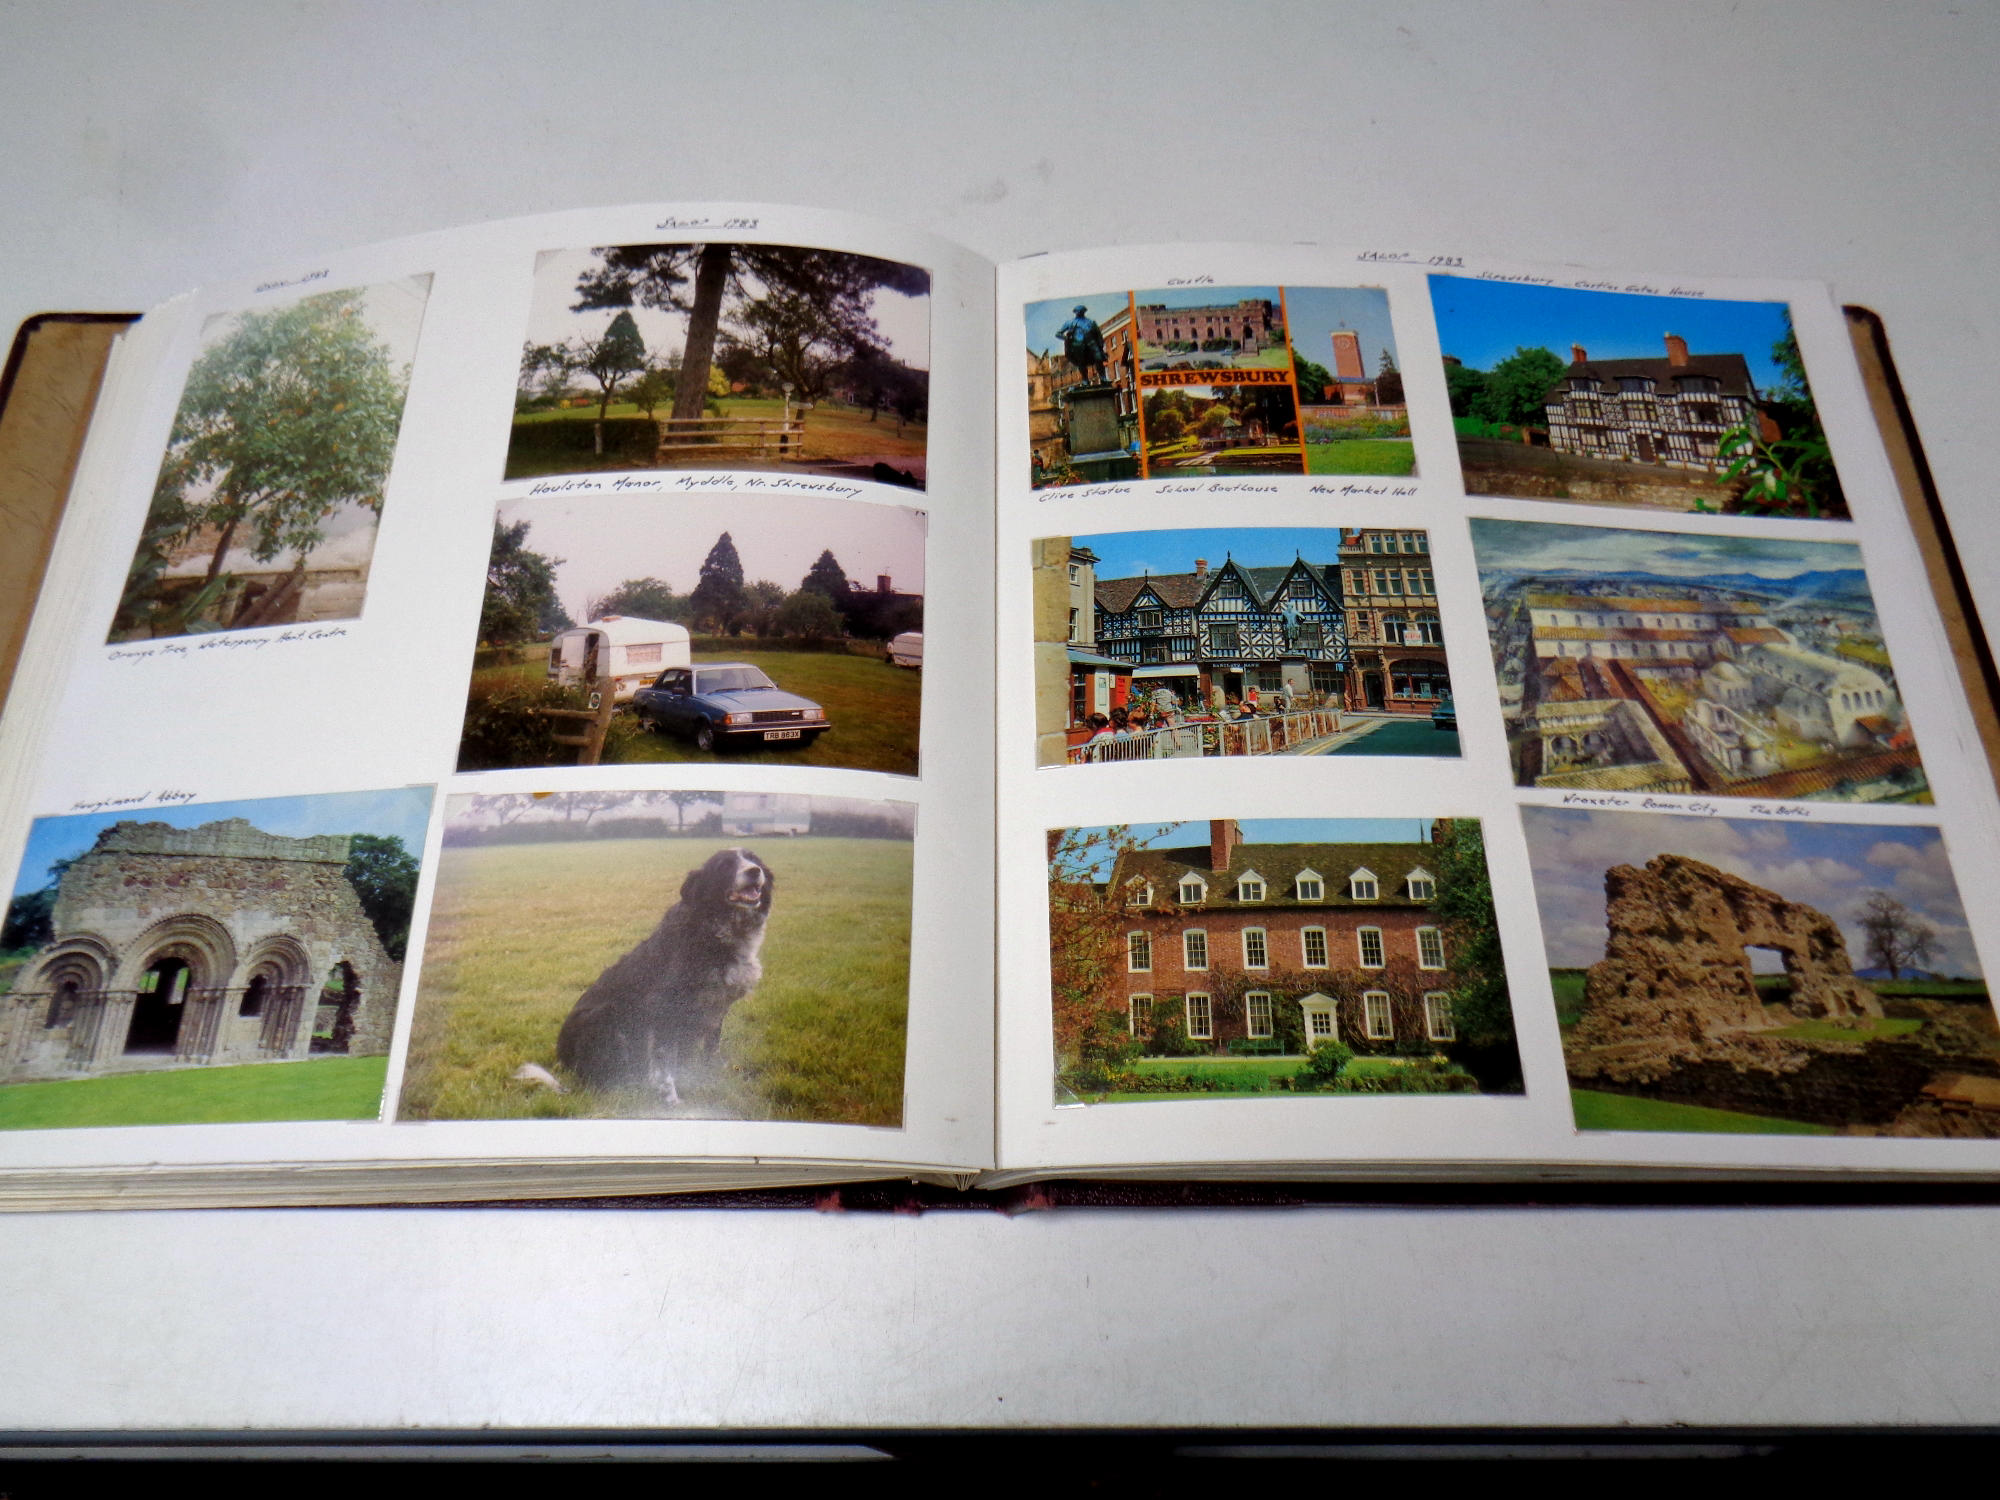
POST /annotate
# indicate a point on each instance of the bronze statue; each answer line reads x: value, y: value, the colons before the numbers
x: 1083, y: 344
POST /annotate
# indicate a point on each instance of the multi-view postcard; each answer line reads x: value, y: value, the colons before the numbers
x: 1300, y: 956
x: 1154, y: 645
x: 767, y: 629
x: 1643, y: 661
x: 209, y: 962
x: 666, y: 954
x: 1714, y: 974
x: 1188, y: 382
x: 272, y: 484
x: 724, y: 355
x: 1620, y: 398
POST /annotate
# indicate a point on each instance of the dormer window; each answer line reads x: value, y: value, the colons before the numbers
x: 1139, y: 891
x: 1362, y: 885
x: 1193, y: 889
x: 1250, y: 886
x: 1635, y: 385
x: 1310, y: 886
x: 1422, y: 884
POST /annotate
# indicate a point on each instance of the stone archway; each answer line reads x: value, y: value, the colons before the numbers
x: 339, y: 1009
x: 279, y: 978
x: 175, y: 973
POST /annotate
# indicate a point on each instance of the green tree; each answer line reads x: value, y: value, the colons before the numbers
x: 650, y: 387
x: 1898, y: 938
x: 1167, y: 426
x: 1462, y: 387
x: 762, y: 600
x: 827, y: 577
x: 384, y: 875
x: 1790, y: 472
x: 520, y: 590
x: 289, y: 419
x: 808, y: 615
x: 648, y: 598
x: 1482, y: 1013
x: 608, y: 360
x: 1313, y: 379
x: 718, y: 599
x: 698, y: 279
x: 1516, y: 389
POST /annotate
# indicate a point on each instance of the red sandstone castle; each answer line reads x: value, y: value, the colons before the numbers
x: 1221, y: 938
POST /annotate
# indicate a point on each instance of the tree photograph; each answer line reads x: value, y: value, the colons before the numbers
x: 274, y: 477
x: 725, y: 355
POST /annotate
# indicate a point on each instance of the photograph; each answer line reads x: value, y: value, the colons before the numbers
x: 722, y: 627
x: 1628, y: 398
x: 1189, y: 382
x: 1317, y: 956
x: 208, y: 963
x: 724, y: 356
x: 1763, y: 977
x: 666, y: 954
x: 1151, y: 645
x: 1648, y: 661
x: 271, y: 489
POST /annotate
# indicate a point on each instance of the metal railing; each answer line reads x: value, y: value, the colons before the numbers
x: 1267, y: 734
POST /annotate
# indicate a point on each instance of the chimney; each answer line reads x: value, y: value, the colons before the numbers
x: 1578, y: 354
x: 1677, y: 351
x: 1347, y: 355
x: 1223, y: 837
x: 1201, y: 567
x: 882, y: 584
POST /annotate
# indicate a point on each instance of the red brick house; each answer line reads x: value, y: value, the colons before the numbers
x: 1283, y: 943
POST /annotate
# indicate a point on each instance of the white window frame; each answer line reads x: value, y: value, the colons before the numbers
x: 1143, y: 895
x: 1250, y: 1028
x: 1263, y: 942
x: 1305, y: 947
x: 1310, y: 885
x: 1132, y: 1003
x: 1364, y: 877
x: 1135, y: 942
x: 1200, y: 934
x: 1361, y: 948
x: 1192, y: 882
x: 1436, y: 937
x: 1250, y: 881
x: 1369, y: 999
x: 1438, y: 1023
x: 1423, y: 877
x: 1207, y: 1032
x: 1311, y: 1007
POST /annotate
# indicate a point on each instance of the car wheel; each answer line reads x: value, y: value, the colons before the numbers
x: 704, y: 736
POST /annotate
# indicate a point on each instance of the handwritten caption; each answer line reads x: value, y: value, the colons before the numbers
x: 1693, y: 809
x: 1582, y: 284
x: 688, y: 484
x: 670, y: 222
x: 305, y: 280
x: 141, y: 799
x: 225, y: 643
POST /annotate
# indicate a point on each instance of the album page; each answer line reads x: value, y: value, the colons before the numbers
x: 509, y: 698
x: 1458, y: 718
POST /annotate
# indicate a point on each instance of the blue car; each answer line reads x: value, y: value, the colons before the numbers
x: 1445, y: 715
x: 718, y: 704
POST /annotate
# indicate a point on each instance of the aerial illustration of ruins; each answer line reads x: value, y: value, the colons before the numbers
x: 1637, y: 661
x: 1739, y: 976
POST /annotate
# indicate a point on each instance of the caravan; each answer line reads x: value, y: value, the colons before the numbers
x: 628, y: 650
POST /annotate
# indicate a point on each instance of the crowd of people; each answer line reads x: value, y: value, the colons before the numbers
x: 1162, y: 708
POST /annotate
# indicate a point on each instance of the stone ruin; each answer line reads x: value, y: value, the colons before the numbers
x: 192, y: 946
x: 1675, y: 983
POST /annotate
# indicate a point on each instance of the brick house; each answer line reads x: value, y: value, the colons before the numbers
x: 1393, y: 629
x: 1223, y: 939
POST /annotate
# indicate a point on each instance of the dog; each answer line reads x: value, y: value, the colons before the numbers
x: 653, y: 1020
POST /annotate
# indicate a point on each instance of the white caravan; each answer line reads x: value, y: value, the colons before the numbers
x: 628, y: 650
x: 907, y: 649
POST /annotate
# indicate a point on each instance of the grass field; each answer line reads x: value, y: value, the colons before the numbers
x: 872, y: 705
x: 518, y: 932
x: 1599, y: 1111
x: 1385, y: 456
x: 1244, y: 1077
x: 320, y: 1088
x: 831, y: 432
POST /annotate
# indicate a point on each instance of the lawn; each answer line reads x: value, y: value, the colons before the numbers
x: 1387, y: 456
x: 1600, y: 1111
x: 1243, y: 1077
x: 872, y: 705
x: 320, y: 1088
x: 832, y: 431
x: 518, y: 932
x: 1828, y: 1031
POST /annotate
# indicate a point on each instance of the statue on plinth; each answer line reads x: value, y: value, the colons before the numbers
x: 1083, y: 345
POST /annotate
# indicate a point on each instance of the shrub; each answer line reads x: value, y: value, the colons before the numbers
x: 500, y: 731
x: 1324, y: 1062
x: 635, y: 439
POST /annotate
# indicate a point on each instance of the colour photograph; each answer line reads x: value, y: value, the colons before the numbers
x: 208, y: 963
x: 267, y: 501
x: 1293, y: 956
x: 666, y: 954
x: 722, y: 628
x: 1624, y: 398
x: 1187, y: 382
x: 724, y: 356
x: 1646, y: 661
x: 1715, y: 974
x: 1155, y: 645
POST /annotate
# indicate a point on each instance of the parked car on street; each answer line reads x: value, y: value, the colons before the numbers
x: 1445, y: 715
x: 718, y: 704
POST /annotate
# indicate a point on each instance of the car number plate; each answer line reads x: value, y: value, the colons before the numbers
x: 781, y: 734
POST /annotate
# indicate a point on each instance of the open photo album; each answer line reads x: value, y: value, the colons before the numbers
x: 724, y: 696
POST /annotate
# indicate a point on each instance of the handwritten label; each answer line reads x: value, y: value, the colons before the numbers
x: 1404, y: 258
x: 310, y: 276
x: 1361, y: 489
x: 196, y: 645
x: 1771, y: 811
x: 1190, y: 281
x: 168, y: 798
x: 670, y: 222
x: 689, y: 484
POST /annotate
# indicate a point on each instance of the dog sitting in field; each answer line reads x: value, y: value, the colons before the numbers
x: 653, y: 1020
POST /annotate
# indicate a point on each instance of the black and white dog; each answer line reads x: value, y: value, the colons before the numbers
x: 653, y: 1020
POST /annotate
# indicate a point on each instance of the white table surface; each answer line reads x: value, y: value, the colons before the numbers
x: 151, y: 148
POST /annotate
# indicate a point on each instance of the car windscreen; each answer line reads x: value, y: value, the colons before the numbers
x: 731, y: 680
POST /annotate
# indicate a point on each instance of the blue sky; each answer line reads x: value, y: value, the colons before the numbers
x: 1044, y: 318
x: 1281, y: 831
x: 1830, y: 866
x: 1127, y: 554
x: 1482, y: 322
x: 401, y: 812
x: 1503, y: 546
x: 1315, y: 311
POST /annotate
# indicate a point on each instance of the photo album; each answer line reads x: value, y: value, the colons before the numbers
x: 725, y: 696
